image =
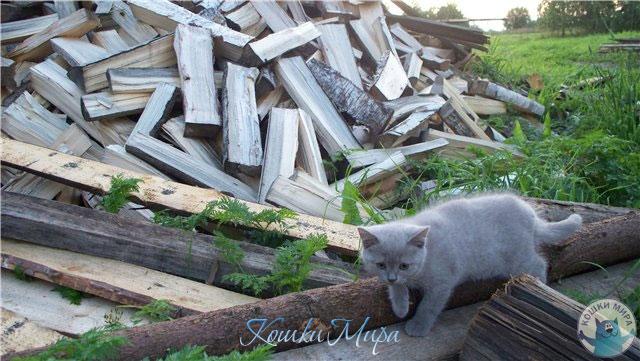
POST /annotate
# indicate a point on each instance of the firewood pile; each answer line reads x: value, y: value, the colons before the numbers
x: 249, y: 98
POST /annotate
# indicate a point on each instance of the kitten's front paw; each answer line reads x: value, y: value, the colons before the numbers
x: 415, y: 328
x: 400, y: 307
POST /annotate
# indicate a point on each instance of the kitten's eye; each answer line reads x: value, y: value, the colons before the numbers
x: 404, y: 266
x: 381, y: 265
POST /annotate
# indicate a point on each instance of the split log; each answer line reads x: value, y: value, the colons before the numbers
x: 534, y: 322
x: 78, y: 52
x: 275, y: 16
x: 200, y: 148
x: 458, y: 144
x: 16, y: 31
x: 37, y: 46
x: 412, y: 66
x: 106, y: 105
x: 402, y: 107
x: 242, y: 145
x: 141, y: 80
x: 402, y: 34
x: 95, y: 177
x: 8, y: 73
x: 363, y: 158
x: 156, y: 53
x: 495, y: 91
x: 462, y: 110
x: 336, y: 49
x: 366, y: 40
x: 220, y: 331
x: 64, y: 8
x: 373, y: 173
x: 433, y: 61
x: 116, y: 155
x: 116, y: 281
x: 454, y: 120
x: 182, y: 253
x: 167, y: 15
x: 268, y: 101
x: 28, y: 121
x: 276, y: 44
x: 309, y: 156
x: 303, y: 88
x: 348, y: 98
x: 390, y: 80
x: 139, y: 32
x: 408, y: 128
x: 194, y: 51
x: 485, y: 106
x: 185, y: 167
x: 281, y: 147
x: 110, y: 40
x: 243, y: 18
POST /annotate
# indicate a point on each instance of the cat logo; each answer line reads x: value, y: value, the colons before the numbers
x: 606, y: 328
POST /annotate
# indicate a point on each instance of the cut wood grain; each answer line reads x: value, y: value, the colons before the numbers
x: 485, y: 106
x: 17, y: 31
x: 28, y: 121
x: 116, y: 281
x: 95, y: 177
x: 403, y: 107
x: 309, y: 156
x: 242, y: 145
x: 390, y: 79
x: 136, y: 30
x: 303, y: 88
x: 366, y: 157
x: 156, y: 111
x: 20, y: 334
x: 349, y: 99
x: 408, y: 128
x: 106, y: 105
x: 200, y: 148
x: 281, y: 147
x: 366, y: 40
x: 185, y: 167
x: 463, y: 111
x: 243, y: 17
x: 412, y: 66
x: 336, y: 49
x: 535, y: 322
x: 194, y: 50
x: 278, y: 43
x: 182, y: 253
x: 275, y: 16
x: 78, y: 52
x: 141, y: 80
x: 156, y: 53
x: 373, y: 173
x: 167, y: 15
x: 37, y: 46
x: 110, y: 40
x: 495, y: 91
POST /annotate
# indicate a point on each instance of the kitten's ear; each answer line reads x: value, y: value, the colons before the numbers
x: 419, y: 239
x: 367, y: 238
x: 616, y: 321
x: 597, y: 321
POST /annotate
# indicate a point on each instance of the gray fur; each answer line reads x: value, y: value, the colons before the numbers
x: 491, y: 235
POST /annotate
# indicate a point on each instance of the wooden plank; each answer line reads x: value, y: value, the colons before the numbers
x: 336, y: 49
x: 96, y: 177
x: 78, y: 52
x: 390, y: 80
x: 166, y: 15
x: 402, y: 34
x: 374, y: 172
x: 278, y: 43
x: 106, y: 105
x: 194, y: 50
x: 185, y: 167
x: 16, y: 31
x: 281, y: 147
x: 200, y: 148
x: 242, y: 145
x: 37, y: 46
x: 110, y: 40
x: 20, y: 334
x: 156, y: 111
x: 156, y: 53
x: 309, y: 156
x: 35, y: 301
x: 349, y: 99
x: 137, y: 31
x: 141, y: 80
x: 485, y: 106
x: 440, y: 29
x: 116, y: 281
x: 458, y: 144
x: 301, y: 85
x: 495, y: 91
x: 182, y: 253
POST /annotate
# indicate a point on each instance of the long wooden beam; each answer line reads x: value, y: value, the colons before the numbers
x: 95, y: 177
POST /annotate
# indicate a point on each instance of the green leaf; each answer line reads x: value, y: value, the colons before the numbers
x: 349, y: 205
x: 119, y: 193
x: 518, y: 134
x: 546, y: 132
x: 73, y: 296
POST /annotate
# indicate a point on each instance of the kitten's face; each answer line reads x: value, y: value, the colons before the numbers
x: 394, y: 252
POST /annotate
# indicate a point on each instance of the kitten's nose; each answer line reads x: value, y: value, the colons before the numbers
x: 392, y: 279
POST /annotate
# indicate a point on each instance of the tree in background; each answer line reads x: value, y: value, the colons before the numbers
x: 447, y: 12
x: 517, y: 18
x: 589, y: 16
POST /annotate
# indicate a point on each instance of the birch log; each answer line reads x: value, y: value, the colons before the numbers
x: 141, y: 80
x: 495, y: 91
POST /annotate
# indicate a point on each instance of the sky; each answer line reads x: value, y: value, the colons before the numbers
x: 475, y: 9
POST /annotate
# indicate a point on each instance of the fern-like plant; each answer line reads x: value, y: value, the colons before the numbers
x: 119, y: 192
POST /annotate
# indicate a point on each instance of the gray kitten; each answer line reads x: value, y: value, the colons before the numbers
x: 492, y: 235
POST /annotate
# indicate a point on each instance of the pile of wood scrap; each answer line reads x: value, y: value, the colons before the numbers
x: 621, y: 45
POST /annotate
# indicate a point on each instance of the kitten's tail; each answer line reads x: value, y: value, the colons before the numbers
x: 552, y: 232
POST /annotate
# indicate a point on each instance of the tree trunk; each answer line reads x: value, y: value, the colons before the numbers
x: 533, y: 322
x: 606, y: 242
